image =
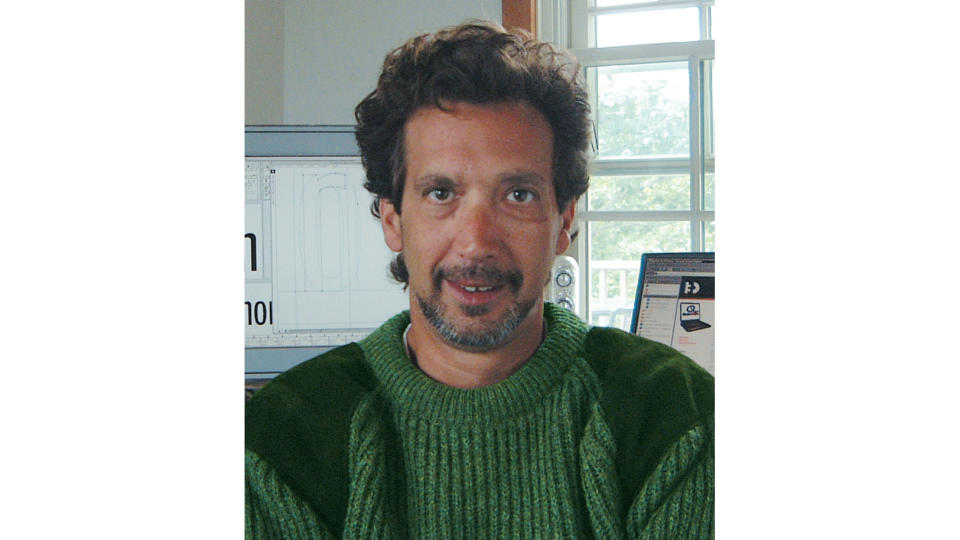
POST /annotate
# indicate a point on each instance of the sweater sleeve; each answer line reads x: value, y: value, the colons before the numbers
x: 677, y: 500
x: 273, y: 510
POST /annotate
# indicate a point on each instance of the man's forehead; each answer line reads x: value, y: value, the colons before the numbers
x: 512, y: 136
x: 519, y: 122
x: 455, y: 108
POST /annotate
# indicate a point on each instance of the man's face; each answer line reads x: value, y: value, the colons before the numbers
x: 479, y: 226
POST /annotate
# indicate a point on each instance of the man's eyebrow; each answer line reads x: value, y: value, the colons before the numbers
x: 527, y: 177
x: 432, y: 180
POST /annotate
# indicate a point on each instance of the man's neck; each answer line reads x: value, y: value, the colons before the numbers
x: 458, y: 368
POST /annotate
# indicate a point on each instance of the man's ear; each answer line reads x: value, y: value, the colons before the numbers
x: 390, y: 220
x: 566, y: 221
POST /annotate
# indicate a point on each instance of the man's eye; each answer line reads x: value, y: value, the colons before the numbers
x: 520, y: 195
x: 439, y: 194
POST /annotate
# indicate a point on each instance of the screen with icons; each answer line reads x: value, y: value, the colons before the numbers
x: 675, y: 303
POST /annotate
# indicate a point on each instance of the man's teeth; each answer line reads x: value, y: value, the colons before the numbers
x: 475, y: 289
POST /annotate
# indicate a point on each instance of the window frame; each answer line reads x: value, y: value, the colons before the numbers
x: 571, y: 24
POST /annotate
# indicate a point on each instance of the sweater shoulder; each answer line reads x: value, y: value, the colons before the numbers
x: 299, y: 424
x: 650, y: 374
x: 308, y: 389
x: 650, y: 395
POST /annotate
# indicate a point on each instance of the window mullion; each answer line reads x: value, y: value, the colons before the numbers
x: 611, y: 167
x: 580, y: 30
x: 648, y: 6
x: 645, y: 215
x: 696, y: 152
x: 644, y: 53
x: 706, y: 28
x: 553, y: 22
x: 579, y: 38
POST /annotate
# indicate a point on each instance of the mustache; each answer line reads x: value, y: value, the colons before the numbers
x: 488, y: 274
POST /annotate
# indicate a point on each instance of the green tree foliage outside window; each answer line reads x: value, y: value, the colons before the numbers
x: 642, y: 113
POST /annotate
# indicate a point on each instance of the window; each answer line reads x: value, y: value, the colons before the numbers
x: 649, y: 67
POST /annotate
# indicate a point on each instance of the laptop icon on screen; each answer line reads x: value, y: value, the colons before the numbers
x: 690, y: 317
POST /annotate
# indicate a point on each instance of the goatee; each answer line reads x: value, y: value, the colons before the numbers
x: 479, y: 337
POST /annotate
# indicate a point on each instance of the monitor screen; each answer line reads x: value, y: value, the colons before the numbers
x: 675, y: 303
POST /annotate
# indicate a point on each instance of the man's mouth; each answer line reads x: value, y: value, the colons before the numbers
x: 477, y: 279
x: 475, y: 298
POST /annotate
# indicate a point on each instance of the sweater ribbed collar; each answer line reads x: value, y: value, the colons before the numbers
x: 413, y: 392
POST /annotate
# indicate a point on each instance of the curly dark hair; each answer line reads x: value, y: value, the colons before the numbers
x: 476, y: 62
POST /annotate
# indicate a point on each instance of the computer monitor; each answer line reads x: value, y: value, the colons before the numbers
x: 315, y: 259
x: 675, y: 303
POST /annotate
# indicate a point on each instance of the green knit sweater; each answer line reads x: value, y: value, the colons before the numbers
x: 599, y: 435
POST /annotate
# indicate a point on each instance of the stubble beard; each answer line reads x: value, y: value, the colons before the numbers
x: 479, y: 337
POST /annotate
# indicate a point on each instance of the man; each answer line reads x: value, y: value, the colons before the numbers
x: 483, y: 412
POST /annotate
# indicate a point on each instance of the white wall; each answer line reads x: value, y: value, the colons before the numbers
x: 332, y: 51
x: 263, y: 33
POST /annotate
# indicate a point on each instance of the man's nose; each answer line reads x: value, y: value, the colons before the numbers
x: 478, y: 231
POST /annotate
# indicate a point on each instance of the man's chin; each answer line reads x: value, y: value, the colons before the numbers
x: 477, y: 338
x: 475, y: 311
